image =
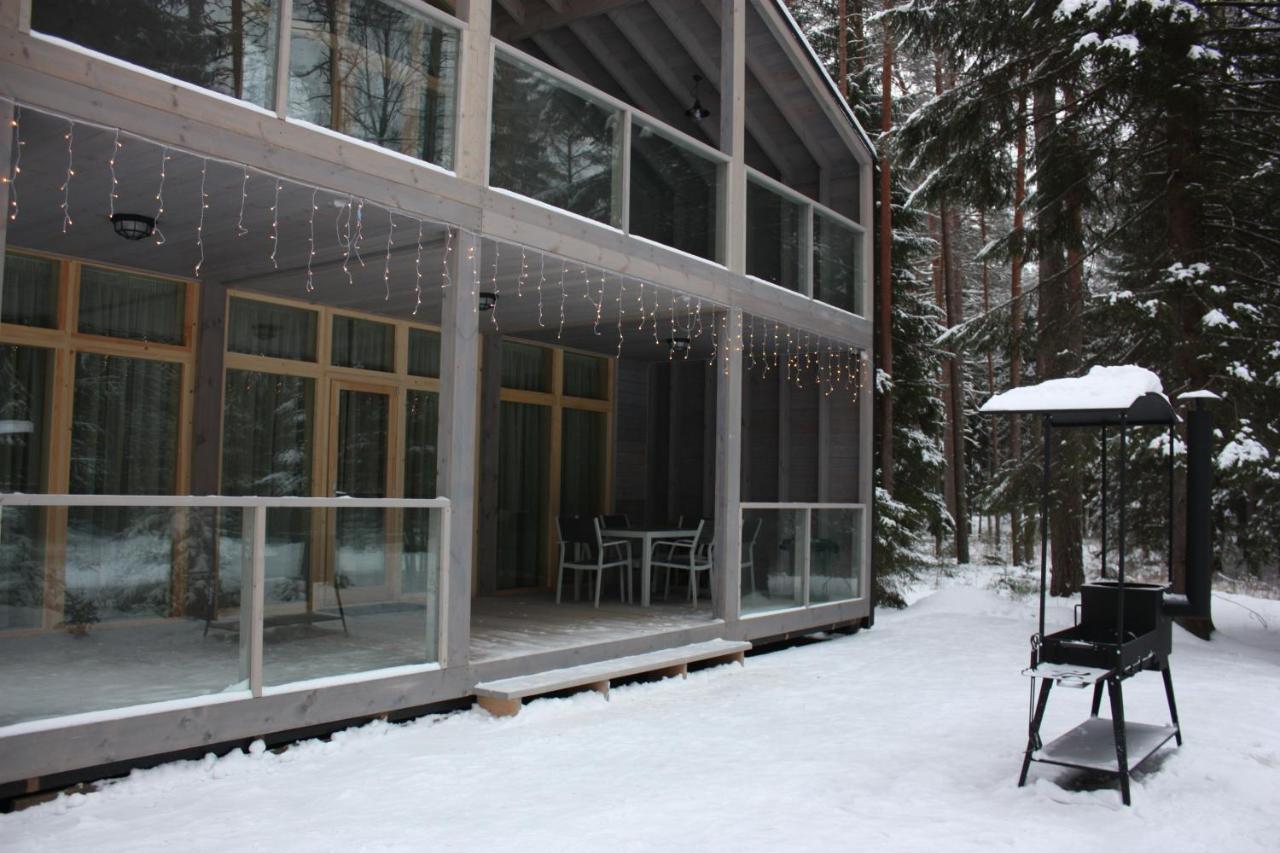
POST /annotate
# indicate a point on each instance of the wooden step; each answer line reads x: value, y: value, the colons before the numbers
x: 503, y: 697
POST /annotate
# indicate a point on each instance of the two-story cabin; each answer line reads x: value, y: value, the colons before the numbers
x: 331, y: 328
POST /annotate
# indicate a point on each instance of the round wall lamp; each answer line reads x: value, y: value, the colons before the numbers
x: 133, y: 226
x: 679, y: 344
x: 488, y: 300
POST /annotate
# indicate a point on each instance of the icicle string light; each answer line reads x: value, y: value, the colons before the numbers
x: 359, y: 236
x: 275, y: 225
x: 164, y: 161
x: 386, y: 264
x: 115, y: 184
x: 241, y: 231
x: 542, y: 279
x: 640, y: 302
x: 344, y: 240
x: 446, y: 277
x: 622, y: 287
x: 12, y: 180
x: 494, y: 287
x: 71, y: 173
x: 524, y: 273
x: 311, y: 244
x: 564, y: 271
x: 417, y: 271
x: 204, y: 205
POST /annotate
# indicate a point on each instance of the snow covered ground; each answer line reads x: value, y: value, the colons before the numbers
x: 905, y: 737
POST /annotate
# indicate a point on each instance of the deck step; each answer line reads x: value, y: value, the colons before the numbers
x: 503, y: 697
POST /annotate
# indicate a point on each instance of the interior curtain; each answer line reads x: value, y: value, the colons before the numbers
x: 271, y: 330
x: 363, y: 343
x: 581, y: 463
x: 121, y: 305
x: 525, y: 367
x: 30, y: 291
x: 523, y: 432
x: 24, y: 435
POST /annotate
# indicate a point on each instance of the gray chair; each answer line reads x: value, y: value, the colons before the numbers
x: 582, y: 549
x: 689, y: 555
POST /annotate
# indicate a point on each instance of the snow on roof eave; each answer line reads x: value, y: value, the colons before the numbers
x: 832, y: 88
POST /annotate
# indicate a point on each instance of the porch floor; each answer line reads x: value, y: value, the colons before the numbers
x: 51, y: 673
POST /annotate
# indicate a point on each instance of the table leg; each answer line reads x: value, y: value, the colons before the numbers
x: 647, y: 544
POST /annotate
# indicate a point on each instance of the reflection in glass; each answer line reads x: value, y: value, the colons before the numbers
x: 837, y: 263
x: 124, y: 441
x: 422, y: 421
x: 123, y: 305
x: 586, y: 376
x: 772, y: 559
x: 228, y: 46
x: 271, y: 330
x: 377, y: 71
x: 24, y: 437
x: 675, y: 193
x: 364, y: 419
x: 582, y: 463
x: 835, y: 555
x: 30, y: 293
x: 554, y: 145
x: 523, y: 449
x: 774, y: 251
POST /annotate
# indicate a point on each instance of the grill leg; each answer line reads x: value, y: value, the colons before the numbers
x: 1033, y: 735
x: 1117, y: 726
x: 1173, y: 705
x: 1097, y: 697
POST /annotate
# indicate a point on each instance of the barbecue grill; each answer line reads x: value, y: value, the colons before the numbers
x: 1122, y: 628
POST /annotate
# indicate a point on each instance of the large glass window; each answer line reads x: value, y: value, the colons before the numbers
x: 837, y: 263
x: 272, y: 330
x: 365, y: 344
x: 24, y: 431
x: 378, y: 71
x: 586, y: 376
x: 123, y: 305
x: 30, y: 291
x: 424, y: 353
x: 553, y: 144
x: 583, y: 462
x: 523, y: 462
x: 228, y: 46
x: 774, y: 240
x: 675, y: 193
x: 526, y: 367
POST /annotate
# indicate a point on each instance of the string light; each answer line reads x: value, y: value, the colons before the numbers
x: 417, y: 270
x: 355, y: 248
x: 446, y: 278
x: 640, y: 300
x: 244, y: 194
x: 715, y: 344
x: 204, y: 205
x: 115, y: 185
x: 622, y: 287
x: 524, y: 273
x: 311, y: 243
x: 475, y: 276
x: 275, y: 225
x: 542, y: 279
x: 564, y: 271
x: 493, y: 285
x: 344, y: 239
x: 66, y: 184
x: 386, y: 264
x: 599, y: 304
x: 12, y: 179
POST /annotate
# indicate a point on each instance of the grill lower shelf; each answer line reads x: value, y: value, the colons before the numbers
x: 1092, y: 745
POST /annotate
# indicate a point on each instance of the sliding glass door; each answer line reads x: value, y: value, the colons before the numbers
x: 360, y: 435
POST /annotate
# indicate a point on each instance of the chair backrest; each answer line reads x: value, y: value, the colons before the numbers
x: 750, y: 540
x: 585, y: 532
x: 617, y: 522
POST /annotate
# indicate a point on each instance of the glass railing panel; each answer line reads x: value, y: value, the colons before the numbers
x: 775, y: 237
x: 107, y: 607
x: 228, y: 46
x: 350, y: 590
x: 837, y: 263
x: 675, y: 193
x: 773, y: 550
x: 376, y: 70
x: 835, y: 554
x: 552, y: 143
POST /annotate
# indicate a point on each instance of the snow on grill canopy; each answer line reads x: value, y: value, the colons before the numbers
x: 1102, y: 397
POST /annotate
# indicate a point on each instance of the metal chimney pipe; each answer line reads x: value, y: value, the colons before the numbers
x: 1197, y: 617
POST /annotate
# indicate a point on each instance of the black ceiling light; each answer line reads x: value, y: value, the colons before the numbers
x: 679, y: 344
x: 488, y: 300
x: 697, y: 112
x: 133, y: 226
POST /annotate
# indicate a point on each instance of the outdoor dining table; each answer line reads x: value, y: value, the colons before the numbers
x: 646, y: 539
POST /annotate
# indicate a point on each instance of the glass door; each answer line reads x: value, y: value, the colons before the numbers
x: 361, y: 555
x: 523, y: 489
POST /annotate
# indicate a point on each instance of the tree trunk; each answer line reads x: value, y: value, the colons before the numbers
x: 1053, y: 311
x: 886, y: 262
x: 954, y: 306
x: 842, y: 47
x: 1015, y: 322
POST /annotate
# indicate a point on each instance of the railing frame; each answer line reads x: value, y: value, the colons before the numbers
x: 803, y: 548
x: 253, y: 576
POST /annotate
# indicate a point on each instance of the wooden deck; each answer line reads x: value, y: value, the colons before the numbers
x: 515, y: 626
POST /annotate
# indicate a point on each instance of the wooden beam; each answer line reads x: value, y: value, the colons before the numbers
x: 636, y: 93
x: 733, y: 128
x: 514, y: 8
x: 554, y: 15
x: 769, y: 84
x: 456, y: 444
x: 475, y: 80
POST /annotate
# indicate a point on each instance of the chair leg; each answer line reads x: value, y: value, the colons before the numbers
x: 666, y: 594
x: 599, y: 583
x: 559, y: 581
x: 693, y: 587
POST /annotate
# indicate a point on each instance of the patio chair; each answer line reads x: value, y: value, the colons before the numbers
x: 749, y: 553
x: 689, y: 555
x: 619, y: 521
x: 582, y: 549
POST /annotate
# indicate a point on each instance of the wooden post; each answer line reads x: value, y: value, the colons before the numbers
x: 733, y: 129
x: 471, y: 151
x: 728, y: 559
x: 459, y: 363
x: 487, y: 488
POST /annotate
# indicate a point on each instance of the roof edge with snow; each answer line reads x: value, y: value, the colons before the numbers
x: 1104, y: 396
